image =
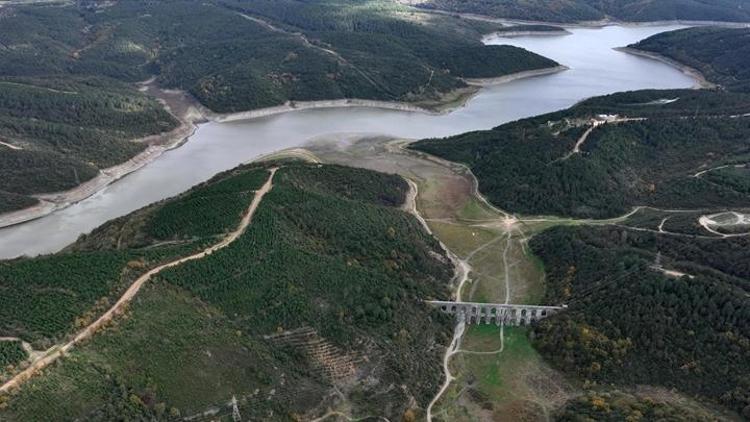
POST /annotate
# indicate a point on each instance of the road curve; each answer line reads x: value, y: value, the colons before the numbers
x: 57, y: 351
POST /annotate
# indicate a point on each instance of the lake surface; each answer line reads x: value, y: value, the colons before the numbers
x: 595, y: 69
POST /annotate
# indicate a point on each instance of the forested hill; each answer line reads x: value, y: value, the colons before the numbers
x: 68, y: 107
x: 332, y: 49
x: 58, y: 132
x: 596, y: 10
x: 239, y: 55
x: 318, y: 305
x: 608, y: 154
x: 628, y: 323
x: 722, y: 55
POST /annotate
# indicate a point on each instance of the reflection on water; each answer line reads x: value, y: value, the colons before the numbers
x: 595, y: 69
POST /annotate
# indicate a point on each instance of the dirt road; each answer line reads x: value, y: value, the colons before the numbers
x: 56, y: 352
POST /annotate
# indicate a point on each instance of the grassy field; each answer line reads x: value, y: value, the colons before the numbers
x: 488, y: 241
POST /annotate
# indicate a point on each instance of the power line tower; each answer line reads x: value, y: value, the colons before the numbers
x: 236, y: 417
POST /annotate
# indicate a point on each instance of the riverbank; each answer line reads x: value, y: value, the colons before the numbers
x: 447, y: 103
x: 515, y: 76
x: 191, y: 114
x: 51, y: 202
x: 587, y: 24
x: 218, y: 147
x: 513, y: 34
x: 158, y: 144
x: 290, y: 106
x: 694, y: 73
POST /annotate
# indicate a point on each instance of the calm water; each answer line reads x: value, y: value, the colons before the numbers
x: 595, y: 69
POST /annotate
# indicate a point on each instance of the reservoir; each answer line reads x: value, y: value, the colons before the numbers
x: 595, y: 69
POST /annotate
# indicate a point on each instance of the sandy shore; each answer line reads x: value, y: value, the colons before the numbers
x: 690, y: 71
x: 41, y: 209
x: 190, y: 113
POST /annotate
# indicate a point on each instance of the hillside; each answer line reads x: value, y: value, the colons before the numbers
x: 722, y: 55
x: 316, y: 305
x: 624, y: 406
x: 56, y: 133
x: 266, y: 53
x: 68, y: 107
x: 629, y: 323
x: 608, y: 154
x: 595, y: 10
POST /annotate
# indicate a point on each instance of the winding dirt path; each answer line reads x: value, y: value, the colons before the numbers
x: 449, y: 352
x: 58, y: 351
x: 462, y: 270
x: 410, y: 205
x: 702, y: 172
x: 11, y: 146
x: 581, y: 140
x: 461, y: 266
x: 595, y: 124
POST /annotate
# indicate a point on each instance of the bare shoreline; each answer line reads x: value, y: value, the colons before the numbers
x: 291, y: 106
x: 515, y: 76
x: 512, y: 34
x: 587, y: 24
x: 690, y: 71
x: 157, y: 144
x: 195, y: 114
x: 54, y: 201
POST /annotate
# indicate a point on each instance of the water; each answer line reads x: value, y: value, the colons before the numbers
x: 596, y: 69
